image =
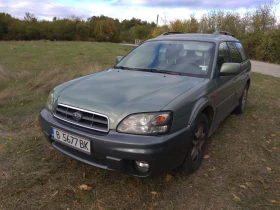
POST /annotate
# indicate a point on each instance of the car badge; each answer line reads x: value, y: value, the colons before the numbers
x: 77, y: 116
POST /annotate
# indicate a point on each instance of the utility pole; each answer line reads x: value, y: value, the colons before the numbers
x: 157, y: 20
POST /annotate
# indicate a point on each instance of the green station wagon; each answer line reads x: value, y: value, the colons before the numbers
x: 153, y: 111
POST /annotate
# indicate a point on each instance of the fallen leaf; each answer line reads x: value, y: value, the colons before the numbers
x: 273, y: 135
x: 168, y: 177
x: 54, y: 194
x: 4, y: 174
x: 261, y: 181
x: 155, y: 204
x: 277, y: 181
x: 255, y: 116
x: 206, y: 156
x: 1, y: 148
x: 276, y: 149
x: 76, y: 202
x: 236, y: 198
x: 85, y: 187
x: 275, y: 202
x: 249, y: 184
x: 10, y: 138
x: 154, y: 194
x: 243, y: 186
x: 212, y: 169
x: 266, y: 186
x: 268, y: 168
x: 129, y: 196
x: 18, y: 191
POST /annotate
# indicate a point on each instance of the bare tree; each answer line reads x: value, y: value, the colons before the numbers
x: 30, y: 17
x: 164, y: 19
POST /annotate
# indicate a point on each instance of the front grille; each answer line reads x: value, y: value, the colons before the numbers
x: 86, y: 119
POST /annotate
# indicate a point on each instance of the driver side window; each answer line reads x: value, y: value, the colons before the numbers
x: 223, y: 56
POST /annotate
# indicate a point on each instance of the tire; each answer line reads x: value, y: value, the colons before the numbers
x: 242, y: 101
x: 197, y: 145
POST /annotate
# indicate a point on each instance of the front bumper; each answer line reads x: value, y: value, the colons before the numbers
x: 118, y: 151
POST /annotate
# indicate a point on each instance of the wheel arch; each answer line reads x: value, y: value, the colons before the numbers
x: 206, y: 108
x: 248, y: 83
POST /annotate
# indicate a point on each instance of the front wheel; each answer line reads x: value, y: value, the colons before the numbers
x: 197, y: 145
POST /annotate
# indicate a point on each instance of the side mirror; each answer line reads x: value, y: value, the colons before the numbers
x: 118, y: 59
x: 229, y: 69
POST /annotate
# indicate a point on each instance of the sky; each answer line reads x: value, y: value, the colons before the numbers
x: 124, y: 9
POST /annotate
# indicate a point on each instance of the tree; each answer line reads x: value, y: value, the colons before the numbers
x: 159, y: 30
x: 164, y: 19
x: 29, y: 17
x: 82, y: 31
x: 177, y: 25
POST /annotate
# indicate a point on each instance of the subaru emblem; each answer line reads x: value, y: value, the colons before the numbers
x: 77, y: 116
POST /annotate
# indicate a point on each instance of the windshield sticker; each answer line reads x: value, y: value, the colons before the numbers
x: 204, y: 68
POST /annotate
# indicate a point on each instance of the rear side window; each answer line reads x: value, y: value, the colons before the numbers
x: 235, y: 55
x: 223, y: 56
x: 241, y: 50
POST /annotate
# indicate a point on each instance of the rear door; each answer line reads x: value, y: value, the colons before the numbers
x: 245, y: 68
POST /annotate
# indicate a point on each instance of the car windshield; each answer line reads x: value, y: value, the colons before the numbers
x: 192, y: 58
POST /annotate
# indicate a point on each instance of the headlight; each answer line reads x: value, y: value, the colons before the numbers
x: 146, y: 123
x: 49, y: 104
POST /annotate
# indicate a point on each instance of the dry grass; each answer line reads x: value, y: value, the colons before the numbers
x: 8, y: 75
x: 4, y: 75
x: 46, y: 81
x: 242, y: 171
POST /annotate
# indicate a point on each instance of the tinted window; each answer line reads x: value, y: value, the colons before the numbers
x: 235, y: 55
x: 193, y: 58
x: 223, y: 56
x: 241, y: 50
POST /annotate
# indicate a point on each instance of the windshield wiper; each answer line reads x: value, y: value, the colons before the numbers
x: 154, y: 70
x: 124, y: 67
x: 159, y: 71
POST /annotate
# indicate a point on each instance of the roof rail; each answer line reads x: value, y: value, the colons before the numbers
x: 224, y: 33
x: 172, y: 32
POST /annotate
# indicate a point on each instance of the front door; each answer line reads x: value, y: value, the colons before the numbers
x: 224, y: 98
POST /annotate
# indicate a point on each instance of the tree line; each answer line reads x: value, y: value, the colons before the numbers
x: 95, y: 28
x: 257, y: 29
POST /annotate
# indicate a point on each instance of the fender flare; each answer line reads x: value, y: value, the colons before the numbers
x: 200, y: 105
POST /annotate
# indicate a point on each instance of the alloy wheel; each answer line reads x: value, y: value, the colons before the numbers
x: 244, y: 98
x: 198, y: 142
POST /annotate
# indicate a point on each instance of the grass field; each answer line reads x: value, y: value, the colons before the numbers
x: 240, y: 171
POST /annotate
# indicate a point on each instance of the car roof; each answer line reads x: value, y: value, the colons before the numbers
x: 195, y: 37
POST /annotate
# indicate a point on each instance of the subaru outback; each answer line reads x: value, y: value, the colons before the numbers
x: 155, y: 109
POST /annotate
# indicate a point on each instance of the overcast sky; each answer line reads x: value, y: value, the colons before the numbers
x: 122, y: 9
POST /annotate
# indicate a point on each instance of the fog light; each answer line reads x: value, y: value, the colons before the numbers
x: 142, y: 166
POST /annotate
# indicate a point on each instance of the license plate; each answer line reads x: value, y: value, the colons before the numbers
x: 68, y: 139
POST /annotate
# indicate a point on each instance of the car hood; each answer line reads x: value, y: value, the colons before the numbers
x: 118, y: 93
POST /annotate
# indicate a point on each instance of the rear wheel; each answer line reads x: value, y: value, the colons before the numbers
x: 242, y: 101
x: 197, y: 145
